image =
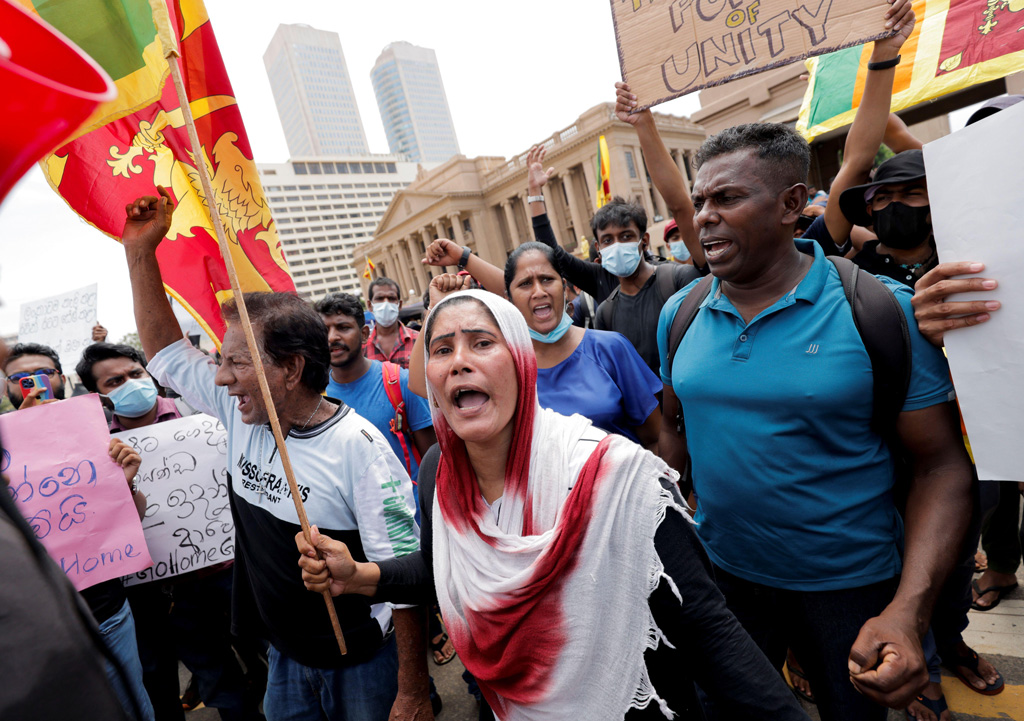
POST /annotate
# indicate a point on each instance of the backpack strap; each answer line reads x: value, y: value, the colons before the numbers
x: 399, y: 425
x: 665, y: 279
x: 883, y: 329
x: 604, y: 311
x: 685, y: 314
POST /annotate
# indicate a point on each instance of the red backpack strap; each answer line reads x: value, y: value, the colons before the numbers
x: 400, y: 423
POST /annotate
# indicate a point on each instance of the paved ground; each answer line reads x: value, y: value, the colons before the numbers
x: 997, y: 634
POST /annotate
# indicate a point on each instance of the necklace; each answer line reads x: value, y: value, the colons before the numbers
x: 263, y: 432
x: 313, y: 413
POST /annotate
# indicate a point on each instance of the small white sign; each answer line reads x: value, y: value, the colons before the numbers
x: 64, y: 322
x: 184, y: 475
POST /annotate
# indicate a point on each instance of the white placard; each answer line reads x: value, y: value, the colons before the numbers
x: 64, y: 322
x: 184, y: 476
x: 975, y: 177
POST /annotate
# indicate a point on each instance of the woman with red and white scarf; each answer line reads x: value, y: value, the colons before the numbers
x: 568, y: 575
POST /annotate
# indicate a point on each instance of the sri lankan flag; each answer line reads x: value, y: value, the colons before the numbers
x: 101, y: 172
x: 955, y: 44
x: 122, y: 37
x: 604, y: 190
x: 368, y: 270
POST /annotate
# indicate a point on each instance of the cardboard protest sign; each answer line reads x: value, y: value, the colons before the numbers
x: 64, y: 322
x: 184, y: 476
x: 69, y: 490
x: 669, y: 48
x: 974, y: 182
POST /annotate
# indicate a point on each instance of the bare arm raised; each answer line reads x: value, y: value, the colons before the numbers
x: 147, y: 221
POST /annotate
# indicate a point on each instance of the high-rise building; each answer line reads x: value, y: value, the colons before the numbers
x: 324, y: 207
x: 313, y: 92
x: 412, y: 103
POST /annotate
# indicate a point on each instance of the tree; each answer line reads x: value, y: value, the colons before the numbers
x: 132, y: 339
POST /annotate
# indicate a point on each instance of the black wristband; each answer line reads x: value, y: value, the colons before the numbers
x: 885, y: 64
x: 466, y: 252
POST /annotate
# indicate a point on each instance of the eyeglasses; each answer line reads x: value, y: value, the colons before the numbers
x: 16, y: 377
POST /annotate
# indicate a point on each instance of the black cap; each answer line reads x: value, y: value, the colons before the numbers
x: 993, y: 106
x: 906, y: 167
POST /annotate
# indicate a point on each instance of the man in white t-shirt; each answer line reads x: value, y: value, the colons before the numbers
x: 349, y: 480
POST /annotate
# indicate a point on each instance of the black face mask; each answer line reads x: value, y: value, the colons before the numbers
x: 901, y: 226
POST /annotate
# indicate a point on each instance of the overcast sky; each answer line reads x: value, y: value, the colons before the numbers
x: 513, y: 73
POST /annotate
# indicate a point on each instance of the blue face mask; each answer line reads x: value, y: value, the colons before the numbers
x: 621, y: 259
x: 134, y: 399
x: 555, y: 335
x: 678, y: 250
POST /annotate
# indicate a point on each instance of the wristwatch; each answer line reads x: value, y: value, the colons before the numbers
x: 466, y: 252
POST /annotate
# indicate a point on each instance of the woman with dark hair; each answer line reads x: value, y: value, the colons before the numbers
x: 569, y: 576
x: 595, y: 373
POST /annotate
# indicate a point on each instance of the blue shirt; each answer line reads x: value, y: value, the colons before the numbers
x: 605, y: 380
x: 793, y: 486
x: 368, y: 398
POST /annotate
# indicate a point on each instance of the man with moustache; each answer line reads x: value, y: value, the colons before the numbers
x: 360, y: 382
x: 775, y: 390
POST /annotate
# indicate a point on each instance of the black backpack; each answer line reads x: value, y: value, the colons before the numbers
x: 664, y: 278
x: 883, y: 329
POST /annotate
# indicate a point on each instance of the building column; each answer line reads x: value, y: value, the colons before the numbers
x: 442, y: 232
x: 641, y: 171
x: 553, y: 205
x: 510, y: 218
x: 590, y: 175
x: 409, y: 263
x: 661, y: 206
x: 401, y: 272
x: 428, y: 238
x: 488, y: 245
x: 579, y: 226
x: 422, y: 274
x: 460, y: 237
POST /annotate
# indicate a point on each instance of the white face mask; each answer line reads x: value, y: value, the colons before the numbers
x: 385, y: 313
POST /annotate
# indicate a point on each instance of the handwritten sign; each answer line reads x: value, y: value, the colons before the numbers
x: 72, y: 494
x: 184, y: 476
x: 64, y: 322
x: 669, y: 48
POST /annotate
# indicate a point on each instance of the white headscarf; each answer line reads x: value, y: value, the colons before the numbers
x: 548, y: 607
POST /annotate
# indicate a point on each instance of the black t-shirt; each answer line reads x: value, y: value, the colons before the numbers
x: 818, y: 232
x: 105, y: 599
x: 881, y: 264
x: 636, y: 316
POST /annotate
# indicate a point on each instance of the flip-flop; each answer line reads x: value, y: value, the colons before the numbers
x: 999, y: 590
x: 970, y: 660
x: 936, y: 706
x: 438, y: 647
x: 799, y: 674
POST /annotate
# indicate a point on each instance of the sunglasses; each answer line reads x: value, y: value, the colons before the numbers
x: 16, y: 377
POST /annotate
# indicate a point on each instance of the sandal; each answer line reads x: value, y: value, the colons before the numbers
x: 999, y: 590
x: 936, y: 706
x: 969, y: 660
x: 800, y: 693
x: 438, y: 647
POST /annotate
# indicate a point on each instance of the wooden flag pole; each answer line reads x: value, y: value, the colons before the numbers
x: 243, y: 314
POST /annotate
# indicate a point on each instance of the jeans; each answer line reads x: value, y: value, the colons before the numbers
x: 820, y: 626
x: 1003, y: 537
x: 118, y: 632
x: 364, y: 692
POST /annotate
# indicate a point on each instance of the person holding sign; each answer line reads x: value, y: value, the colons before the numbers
x: 186, y: 616
x: 349, y: 479
x: 106, y: 600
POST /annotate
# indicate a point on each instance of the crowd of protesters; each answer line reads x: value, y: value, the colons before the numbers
x: 624, y: 486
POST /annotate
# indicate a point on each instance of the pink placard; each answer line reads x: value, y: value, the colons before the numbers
x: 71, y: 492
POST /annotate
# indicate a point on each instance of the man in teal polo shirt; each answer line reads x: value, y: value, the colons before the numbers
x: 794, y: 488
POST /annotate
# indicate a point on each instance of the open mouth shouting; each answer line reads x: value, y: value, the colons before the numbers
x: 715, y: 248
x: 469, y: 399
x: 543, y: 312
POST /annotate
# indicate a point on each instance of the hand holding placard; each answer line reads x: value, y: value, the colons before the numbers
x: 71, y: 492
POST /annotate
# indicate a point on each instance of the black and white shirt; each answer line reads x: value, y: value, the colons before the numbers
x: 353, y: 488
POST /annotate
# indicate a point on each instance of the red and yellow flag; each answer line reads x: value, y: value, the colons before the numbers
x: 101, y: 172
x: 368, y: 270
x: 604, y: 188
x: 955, y: 44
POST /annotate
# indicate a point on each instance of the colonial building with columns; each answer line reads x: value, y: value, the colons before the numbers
x: 481, y: 202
